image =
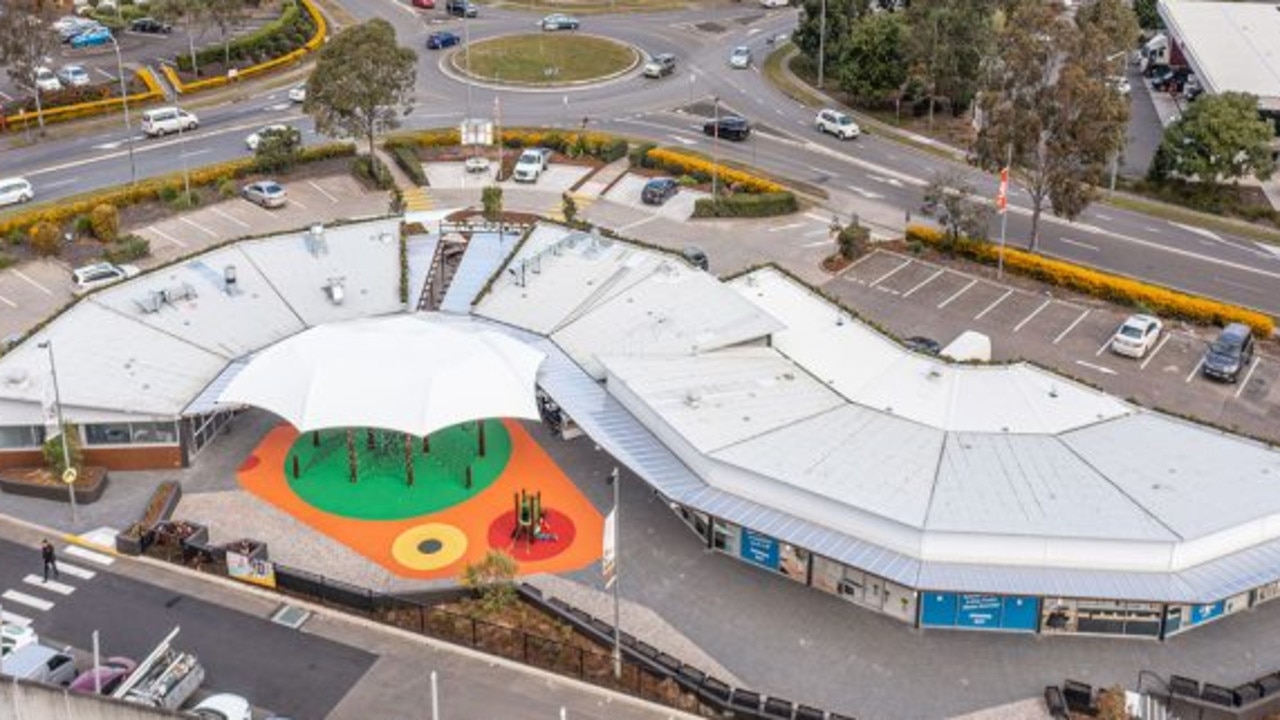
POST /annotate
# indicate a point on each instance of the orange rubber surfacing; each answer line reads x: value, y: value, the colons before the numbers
x: 440, y: 544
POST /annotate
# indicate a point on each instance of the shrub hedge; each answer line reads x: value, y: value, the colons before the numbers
x: 60, y: 113
x: 747, y: 205
x: 1107, y: 286
x: 285, y: 34
x: 408, y: 161
x: 128, y: 249
x: 373, y: 170
x: 314, y: 21
x: 604, y: 146
x: 679, y: 163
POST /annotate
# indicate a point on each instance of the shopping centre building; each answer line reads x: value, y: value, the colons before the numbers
x: 786, y: 432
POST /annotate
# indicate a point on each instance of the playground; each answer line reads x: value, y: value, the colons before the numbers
x: 424, y: 508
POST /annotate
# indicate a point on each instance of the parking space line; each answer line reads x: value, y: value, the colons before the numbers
x: 1245, y: 381
x: 1195, y: 370
x: 859, y: 261
x: 788, y: 226
x: 1106, y: 344
x: 922, y: 283
x: 1034, y: 313
x: 891, y: 273
x: 35, y: 284
x: 1071, y: 327
x: 199, y: 227
x: 166, y: 236
x: 323, y: 192
x: 959, y: 292
x: 1156, y: 351
x: 993, y: 305
x: 230, y: 217
x: 293, y: 201
x: 8, y: 302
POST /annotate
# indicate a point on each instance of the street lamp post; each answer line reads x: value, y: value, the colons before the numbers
x: 62, y: 427
x: 124, y: 101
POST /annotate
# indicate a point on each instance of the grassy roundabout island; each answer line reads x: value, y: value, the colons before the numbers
x: 546, y: 59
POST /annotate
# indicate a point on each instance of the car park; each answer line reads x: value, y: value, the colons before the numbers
x: 74, y: 76
x: 97, y: 275
x: 660, y: 65
x: 659, y: 190
x: 15, y: 190
x: 265, y: 193
x: 150, y: 26
x: 729, y: 127
x: 41, y: 664
x: 740, y: 58
x: 1136, y: 336
x: 165, y: 120
x: 559, y: 21
x: 255, y: 139
x: 92, y: 37
x: 1228, y: 355
x: 223, y: 706
x: 298, y: 93
x: 47, y: 81
x: 105, y: 678
x: 442, y: 39
x: 834, y: 122
x: 74, y: 26
x: 530, y: 164
x: 461, y: 8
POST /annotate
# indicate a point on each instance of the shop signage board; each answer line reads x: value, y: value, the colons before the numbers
x: 759, y: 549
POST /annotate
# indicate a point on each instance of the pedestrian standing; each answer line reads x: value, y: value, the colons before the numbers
x: 50, y: 559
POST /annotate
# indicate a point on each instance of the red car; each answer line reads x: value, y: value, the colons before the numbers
x: 425, y: 4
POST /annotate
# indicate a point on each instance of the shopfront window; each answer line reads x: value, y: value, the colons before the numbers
x: 1066, y: 616
x: 21, y: 437
x: 699, y: 522
x: 138, y: 433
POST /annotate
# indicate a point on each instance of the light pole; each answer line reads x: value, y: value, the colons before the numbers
x: 124, y: 100
x: 182, y: 150
x: 62, y: 428
x: 616, y: 480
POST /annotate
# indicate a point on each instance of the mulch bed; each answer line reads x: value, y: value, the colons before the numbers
x: 42, y: 483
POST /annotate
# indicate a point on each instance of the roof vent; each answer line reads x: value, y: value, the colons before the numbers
x: 316, y: 244
x: 334, y: 290
x: 229, y: 280
x: 1053, y: 391
x: 176, y: 293
x: 383, y: 237
x: 151, y: 302
x: 692, y: 399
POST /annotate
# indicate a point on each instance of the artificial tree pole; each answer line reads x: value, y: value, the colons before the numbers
x: 352, y: 462
x: 408, y: 459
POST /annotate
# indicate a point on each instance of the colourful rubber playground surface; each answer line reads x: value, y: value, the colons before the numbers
x: 433, y: 528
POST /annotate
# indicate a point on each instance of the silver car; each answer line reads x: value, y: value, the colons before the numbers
x: 265, y: 193
x: 740, y: 59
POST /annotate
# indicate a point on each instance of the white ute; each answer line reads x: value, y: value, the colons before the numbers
x: 531, y: 164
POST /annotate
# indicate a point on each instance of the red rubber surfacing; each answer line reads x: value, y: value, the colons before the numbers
x: 557, y: 523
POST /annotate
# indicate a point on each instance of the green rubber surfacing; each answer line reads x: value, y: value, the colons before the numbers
x: 381, y: 493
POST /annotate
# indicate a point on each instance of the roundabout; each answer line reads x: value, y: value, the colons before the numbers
x: 545, y: 60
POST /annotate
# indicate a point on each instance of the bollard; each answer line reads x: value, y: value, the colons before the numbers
x: 295, y: 467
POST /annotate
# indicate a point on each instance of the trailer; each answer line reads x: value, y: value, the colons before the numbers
x: 166, y: 679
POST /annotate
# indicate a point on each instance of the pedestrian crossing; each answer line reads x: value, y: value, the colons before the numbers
x: 20, y: 605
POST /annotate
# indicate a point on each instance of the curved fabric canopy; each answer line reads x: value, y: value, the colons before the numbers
x: 411, y: 373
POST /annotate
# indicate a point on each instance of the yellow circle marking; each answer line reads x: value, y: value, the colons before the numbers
x: 406, y: 550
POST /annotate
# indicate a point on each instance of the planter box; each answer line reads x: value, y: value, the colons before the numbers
x: 127, y: 544
x: 26, y: 482
x: 257, y: 550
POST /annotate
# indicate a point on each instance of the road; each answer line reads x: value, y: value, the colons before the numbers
x: 876, y: 178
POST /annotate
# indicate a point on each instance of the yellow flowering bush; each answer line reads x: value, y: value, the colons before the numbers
x: 679, y: 163
x: 94, y: 107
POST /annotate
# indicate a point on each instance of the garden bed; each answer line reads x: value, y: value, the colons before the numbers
x: 42, y: 483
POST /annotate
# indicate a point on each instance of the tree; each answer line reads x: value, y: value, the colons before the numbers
x: 1108, y: 29
x: 949, y: 199
x: 227, y: 15
x: 1218, y: 137
x: 873, y: 62
x: 193, y: 14
x: 362, y: 83
x: 1048, y: 107
x: 841, y: 15
x: 492, y: 577
x: 1148, y: 17
x: 949, y: 41
x: 491, y: 199
x: 26, y: 41
x: 278, y: 150
x: 1111, y: 705
x: 52, y: 450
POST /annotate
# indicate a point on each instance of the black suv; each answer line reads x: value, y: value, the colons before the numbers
x: 658, y: 191
x: 461, y: 8
x: 1230, y: 353
x: 150, y: 25
x: 729, y: 127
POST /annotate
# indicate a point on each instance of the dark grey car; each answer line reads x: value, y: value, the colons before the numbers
x: 1230, y: 354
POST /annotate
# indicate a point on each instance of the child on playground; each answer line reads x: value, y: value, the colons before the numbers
x: 542, y: 531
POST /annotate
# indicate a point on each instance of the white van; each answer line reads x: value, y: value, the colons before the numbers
x: 15, y: 190
x: 41, y: 664
x: 165, y: 120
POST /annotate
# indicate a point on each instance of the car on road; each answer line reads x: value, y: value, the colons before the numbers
x: 461, y: 8
x: 92, y: 37
x: 15, y: 190
x: 729, y: 127
x: 923, y: 345
x: 99, y: 274
x: 442, y: 39
x: 223, y: 706
x: 834, y: 122
x: 74, y: 76
x: 740, y: 58
x: 1136, y: 336
x: 530, y: 164
x: 424, y: 4
x: 47, y: 81
x: 15, y: 637
x: 265, y: 193
x: 774, y: 3
x: 660, y: 65
x: 1227, y: 356
x: 659, y: 190
x: 150, y: 26
x: 105, y: 678
x: 165, y: 120
x: 41, y: 664
x: 255, y: 139
x: 298, y: 93
x: 559, y: 21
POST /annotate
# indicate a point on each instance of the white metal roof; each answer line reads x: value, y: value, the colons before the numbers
x: 1231, y: 45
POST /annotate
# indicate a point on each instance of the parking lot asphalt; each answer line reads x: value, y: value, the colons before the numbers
x: 628, y: 189
x: 1063, y: 331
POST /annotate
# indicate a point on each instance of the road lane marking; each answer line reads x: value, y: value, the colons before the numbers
x: 1242, y: 286
x: 815, y: 216
x: 199, y: 227
x: 1070, y: 327
x: 52, y: 585
x: 323, y: 192
x: 891, y: 273
x: 1195, y: 370
x: 1034, y: 313
x: 1198, y: 231
x: 28, y: 600
x: 1247, y: 375
x: 1105, y: 345
x: 1079, y: 244
x: 922, y: 283
x: 1156, y: 351
x: 993, y: 305
x: 959, y: 292
x: 90, y: 555
x: 1099, y: 368
x: 637, y: 223
x: 8, y: 302
x: 59, y: 183
x: 230, y: 217
x: 817, y: 243
x: 14, y: 619
x: 166, y: 236
x: 33, y: 283
x: 865, y: 193
x: 788, y: 226
x: 75, y: 571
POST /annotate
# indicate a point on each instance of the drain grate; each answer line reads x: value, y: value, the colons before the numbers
x: 290, y: 616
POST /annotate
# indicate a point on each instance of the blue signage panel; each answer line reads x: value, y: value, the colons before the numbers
x: 1204, y: 613
x: 1020, y: 613
x: 938, y: 609
x: 979, y: 611
x: 759, y: 549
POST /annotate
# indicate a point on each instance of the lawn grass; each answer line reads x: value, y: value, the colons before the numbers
x: 1187, y: 216
x: 774, y: 71
x: 547, y: 58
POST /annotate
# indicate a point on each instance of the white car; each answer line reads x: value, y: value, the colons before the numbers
x: 1137, y: 336
x: 46, y: 81
x: 774, y: 3
x: 15, y: 637
x: 837, y: 123
x: 740, y: 59
x: 165, y: 120
x: 74, y: 76
x: 253, y: 140
x: 223, y: 706
x: 15, y: 190
x: 298, y: 93
x: 97, y: 275
x: 530, y: 165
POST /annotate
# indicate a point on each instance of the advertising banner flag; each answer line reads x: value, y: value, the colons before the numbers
x: 608, y: 561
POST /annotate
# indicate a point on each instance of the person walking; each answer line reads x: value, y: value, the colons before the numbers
x: 50, y: 559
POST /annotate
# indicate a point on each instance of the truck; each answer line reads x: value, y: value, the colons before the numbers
x: 531, y: 163
x: 166, y: 679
